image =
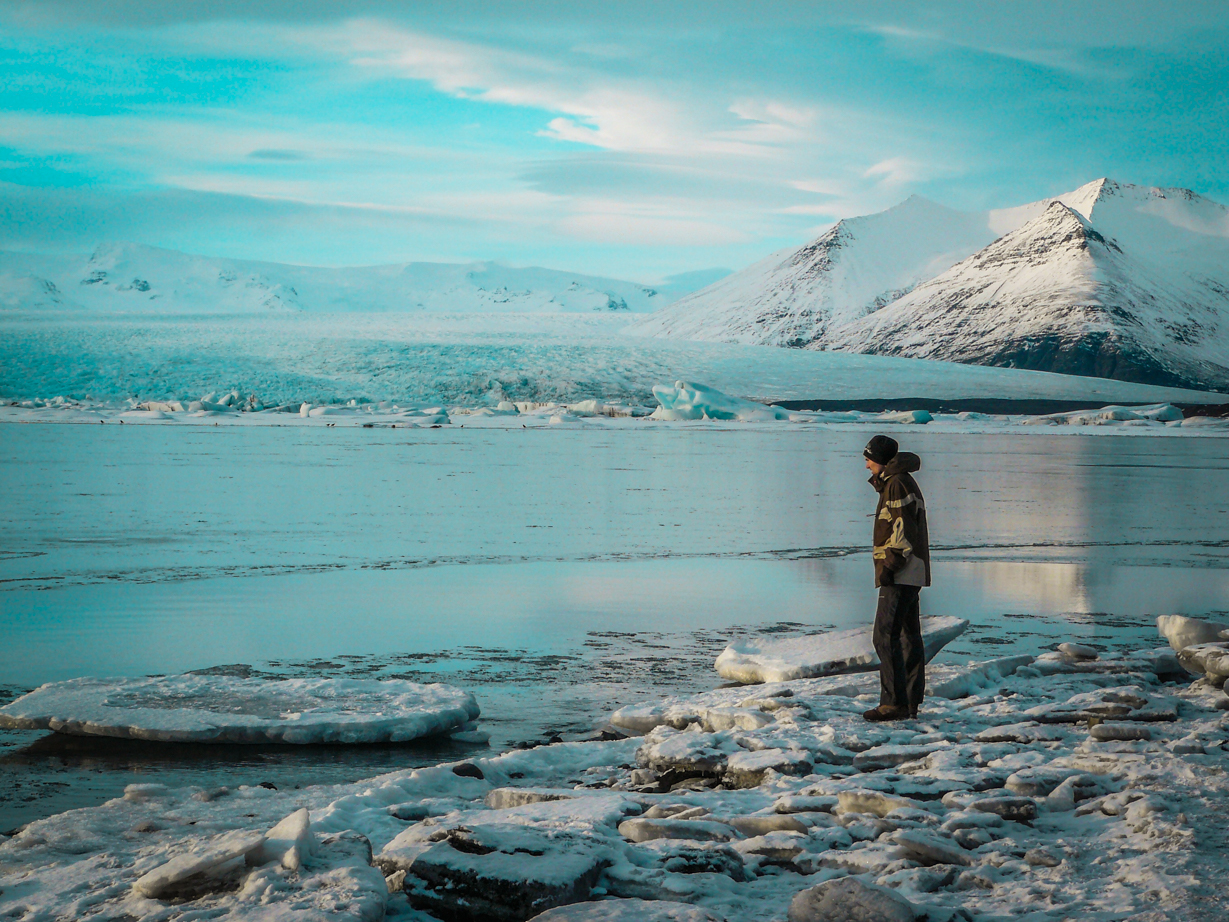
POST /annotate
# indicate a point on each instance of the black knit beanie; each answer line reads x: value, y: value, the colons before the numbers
x: 881, y: 449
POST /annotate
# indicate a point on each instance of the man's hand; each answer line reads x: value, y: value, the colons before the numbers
x: 886, y: 577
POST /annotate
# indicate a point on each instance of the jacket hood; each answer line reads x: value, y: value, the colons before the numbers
x: 905, y: 462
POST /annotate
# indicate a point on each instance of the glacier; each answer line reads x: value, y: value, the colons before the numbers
x: 444, y: 360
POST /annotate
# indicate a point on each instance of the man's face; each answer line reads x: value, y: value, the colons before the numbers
x: 873, y: 467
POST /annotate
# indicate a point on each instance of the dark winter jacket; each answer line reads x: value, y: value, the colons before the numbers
x: 902, y: 544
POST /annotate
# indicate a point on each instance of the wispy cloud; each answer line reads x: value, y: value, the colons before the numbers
x: 609, y: 142
x: 1064, y: 57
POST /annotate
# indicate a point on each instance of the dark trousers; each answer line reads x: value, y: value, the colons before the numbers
x: 898, y: 641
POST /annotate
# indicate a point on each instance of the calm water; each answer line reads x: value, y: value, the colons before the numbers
x: 557, y: 573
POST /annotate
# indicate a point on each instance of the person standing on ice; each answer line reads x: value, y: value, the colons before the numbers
x: 902, y: 568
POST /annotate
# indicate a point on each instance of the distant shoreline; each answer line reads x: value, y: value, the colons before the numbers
x: 992, y: 405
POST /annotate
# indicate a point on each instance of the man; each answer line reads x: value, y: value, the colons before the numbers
x: 902, y: 568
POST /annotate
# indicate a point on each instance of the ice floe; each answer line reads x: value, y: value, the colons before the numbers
x: 1183, y: 632
x: 217, y: 709
x: 765, y: 660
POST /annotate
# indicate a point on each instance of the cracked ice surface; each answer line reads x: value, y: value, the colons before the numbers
x: 215, y: 708
x: 998, y: 803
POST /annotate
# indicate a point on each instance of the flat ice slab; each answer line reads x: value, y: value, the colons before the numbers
x: 223, y: 709
x: 759, y: 660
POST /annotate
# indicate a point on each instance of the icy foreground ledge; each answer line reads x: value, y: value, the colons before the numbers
x: 222, y: 709
x: 1073, y: 785
x: 758, y: 660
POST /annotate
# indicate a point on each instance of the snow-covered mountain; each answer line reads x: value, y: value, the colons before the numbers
x: 1111, y: 280
x: 131, y: 277
x: 794, y: 297
x: 1059, y: 294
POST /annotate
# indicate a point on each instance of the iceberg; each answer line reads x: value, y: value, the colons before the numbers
x: 756, y: 660
x: 698, y: 401
x: 225, y: 709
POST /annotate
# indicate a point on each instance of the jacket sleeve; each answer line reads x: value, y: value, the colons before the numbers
x: 900, y: 509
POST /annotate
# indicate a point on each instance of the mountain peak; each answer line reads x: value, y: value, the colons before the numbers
x: 1056, y: 228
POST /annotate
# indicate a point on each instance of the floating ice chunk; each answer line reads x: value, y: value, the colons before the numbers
x: 1207, y: 659
x: 289, y: 843
x: 929, y: 848
x: 219, y: 852
x: 587, y: 408
x: 1078, y: 650
x: 1183, y: 632
x: 629, y: 910
x: 697, y: 401
x: 908, y: 417
x: 503, y: 872
x: 981, y: 676
x: 1156, y: 413
x: 210, y: 708
x: 315, y: 412
x: 760, y: 660
x: 640, y: 829
x: 850, y: 900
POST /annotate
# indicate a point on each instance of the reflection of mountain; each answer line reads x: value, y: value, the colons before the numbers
x: 128, y: 277
x: 1054, y: 587
x: 1109, y: 280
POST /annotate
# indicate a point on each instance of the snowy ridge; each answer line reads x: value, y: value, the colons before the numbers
x: 1109, y: 280
x: 134, y: 278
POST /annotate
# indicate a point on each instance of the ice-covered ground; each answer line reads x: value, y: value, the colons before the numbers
x: 1071, y: 785
x: 467, y: 360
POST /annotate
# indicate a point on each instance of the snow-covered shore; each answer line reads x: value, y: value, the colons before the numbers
x: 1057, y: 787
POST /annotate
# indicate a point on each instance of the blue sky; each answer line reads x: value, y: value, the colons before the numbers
x: 637, y: 140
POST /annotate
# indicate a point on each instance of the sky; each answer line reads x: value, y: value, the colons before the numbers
x: 627, y: 139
